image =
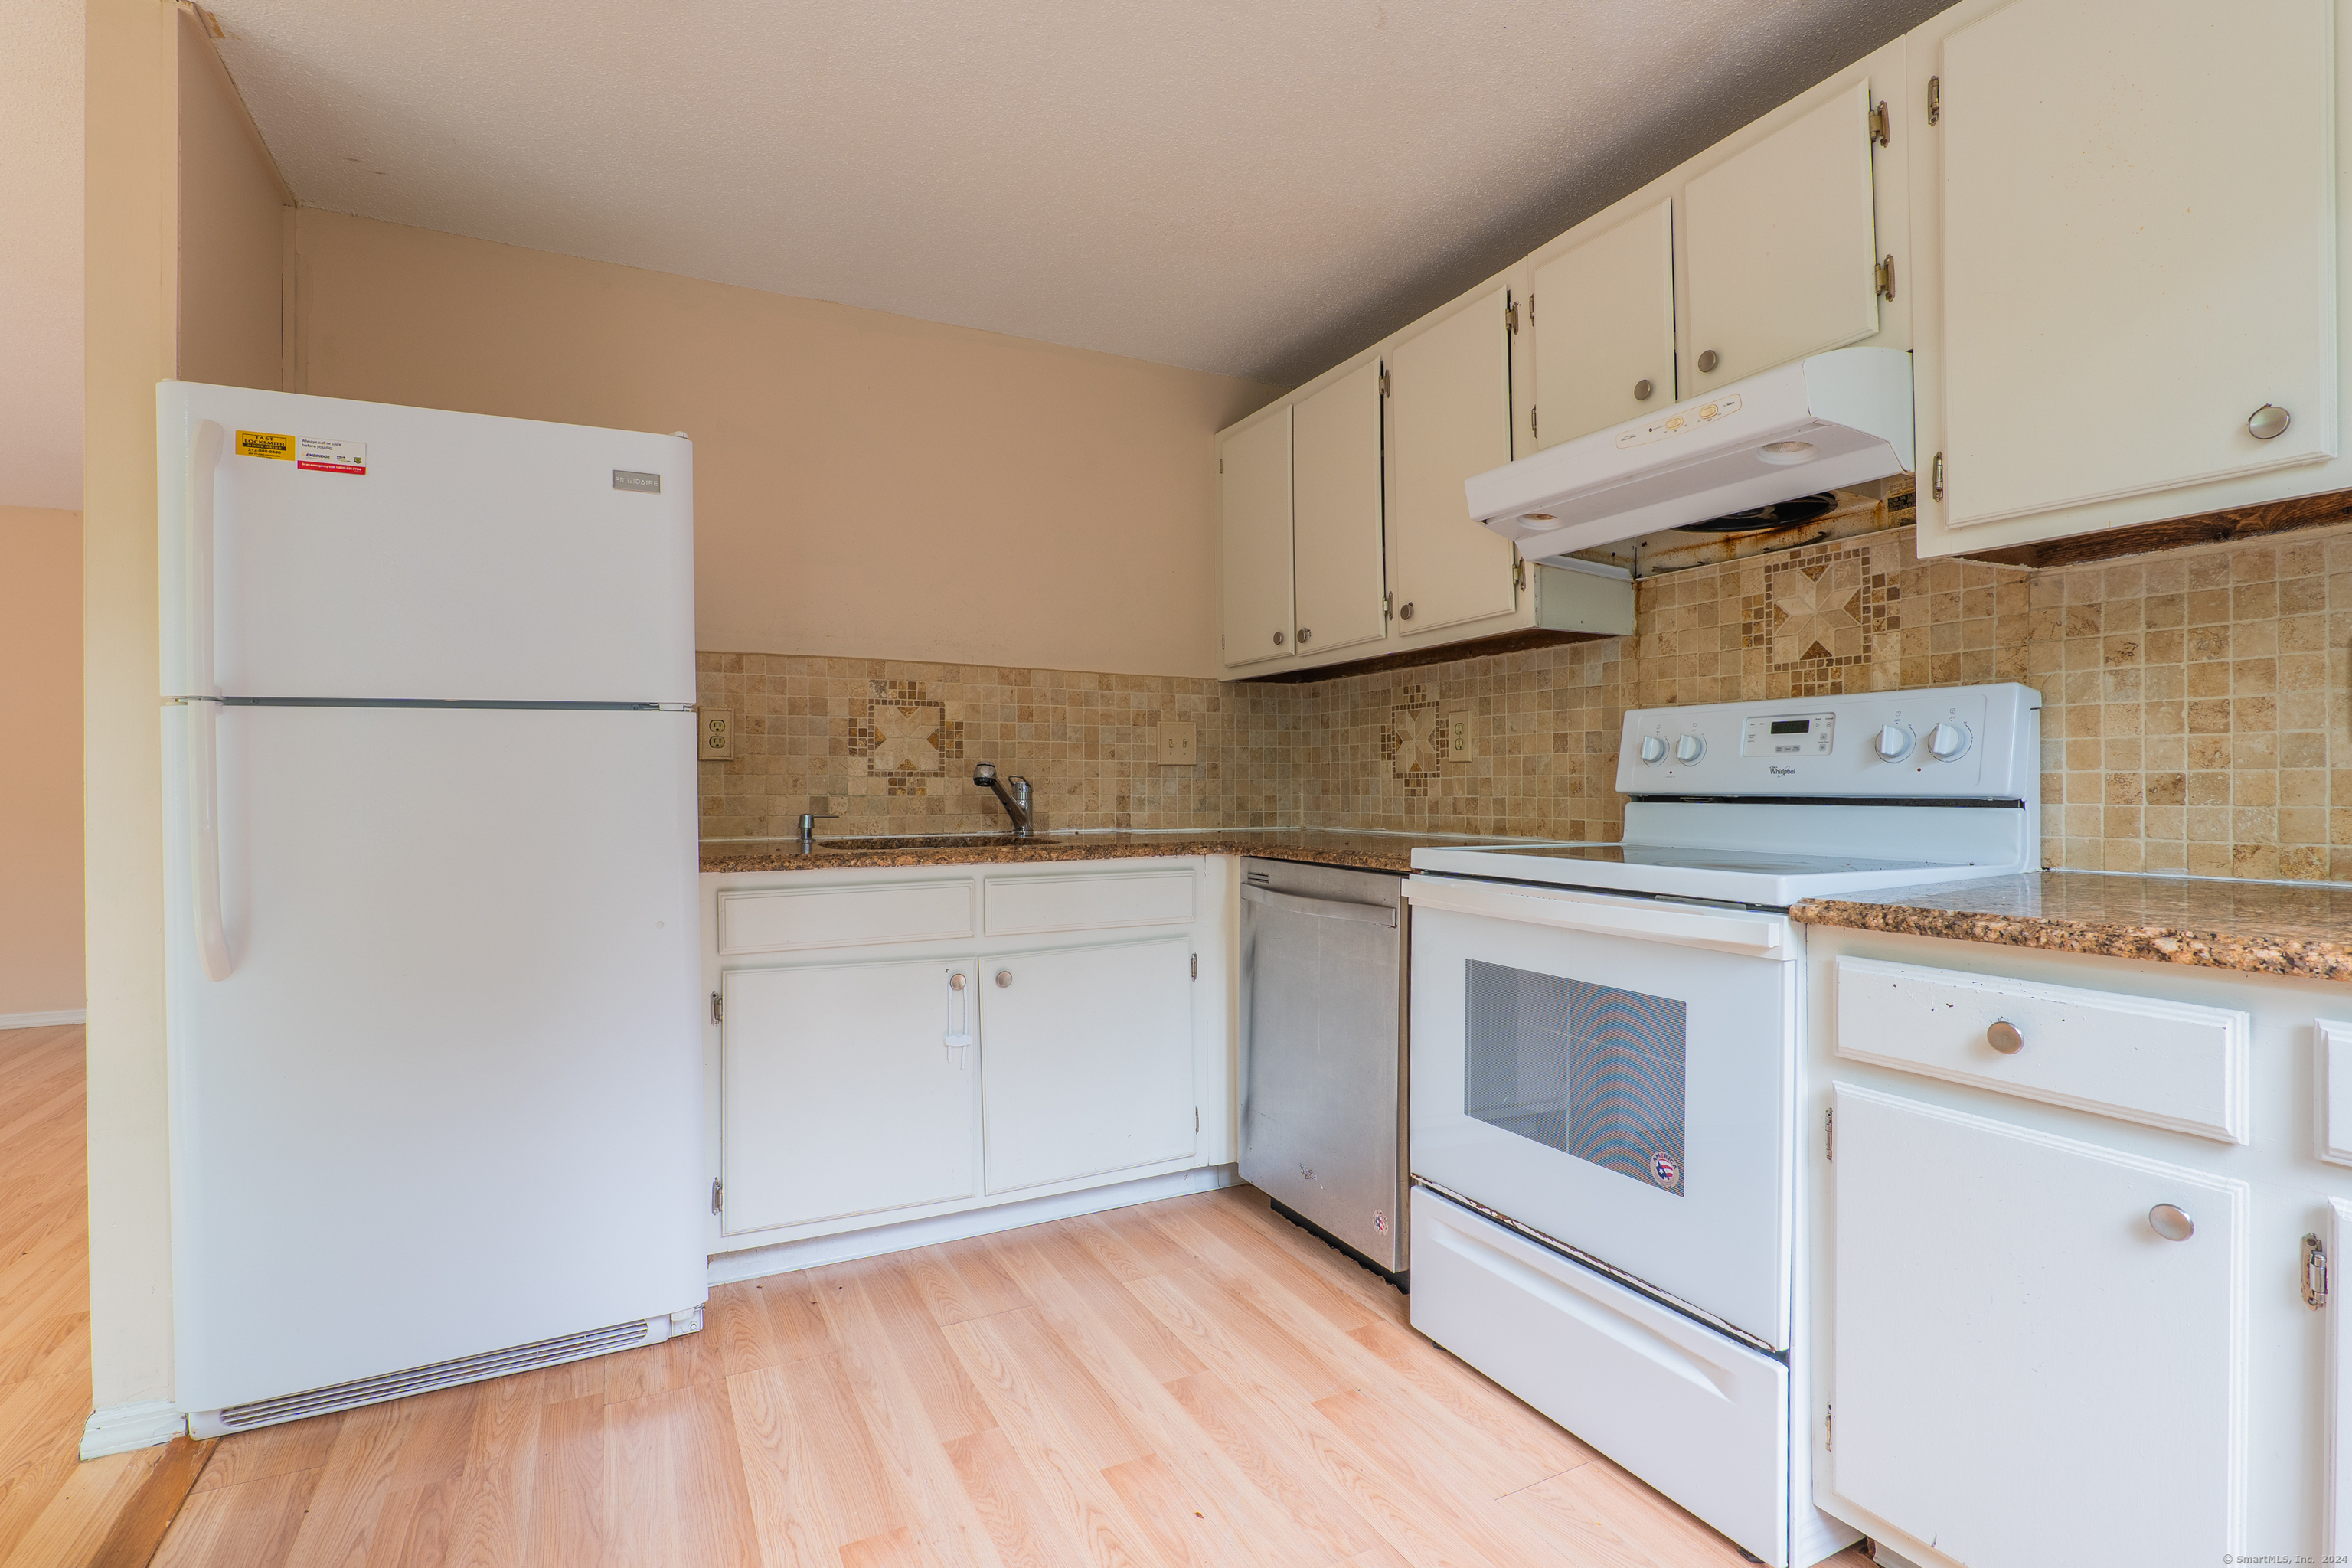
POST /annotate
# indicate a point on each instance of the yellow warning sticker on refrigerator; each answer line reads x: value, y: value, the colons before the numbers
x: 332, y: 457
x: 262, y: 443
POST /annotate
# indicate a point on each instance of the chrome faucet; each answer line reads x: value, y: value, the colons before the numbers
x: 809, y: 819
x: 1016, y: 800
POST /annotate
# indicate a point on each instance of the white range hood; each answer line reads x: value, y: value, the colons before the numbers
x: 1838, y: 418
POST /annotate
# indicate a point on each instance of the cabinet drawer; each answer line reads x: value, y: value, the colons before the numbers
x: 1016, y: 906
x: 781, y: 920
x: 2167, y: 1064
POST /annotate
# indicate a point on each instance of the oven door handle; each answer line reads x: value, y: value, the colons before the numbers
x: 1322, y: 909
x: 1755, y: 936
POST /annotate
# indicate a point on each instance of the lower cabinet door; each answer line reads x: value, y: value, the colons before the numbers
x: 846, y: 1089
x: 2039, y: 1346
x: 1087, y: 1061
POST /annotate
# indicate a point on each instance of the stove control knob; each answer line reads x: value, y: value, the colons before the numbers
x: 1654, y: 750
x: 1892, y: 744
x: 1947, y: 740
x: 1689, y: 748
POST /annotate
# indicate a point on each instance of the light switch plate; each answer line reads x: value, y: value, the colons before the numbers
x: 1461, y: 735
x: 718, y: 730
x: 1180, y: 744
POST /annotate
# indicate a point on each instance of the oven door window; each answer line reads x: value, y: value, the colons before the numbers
x: 1592, y: 1070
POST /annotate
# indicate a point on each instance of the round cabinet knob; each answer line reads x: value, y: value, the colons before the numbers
x: 2005, y: 1038
x: 2268, y: 423
x: 1690, y: 749
x: 955, y: 982
x: 1654, y: 750
x: 1004, y: 978
x: 1893, y: 743
x: 1641, y: 390
x: 1947, y: 740
x: 2171, y: 1222
x: 1708, y: 359
x: 1277, y: 639
x: 1404, y: 611
x: 1304, y: 632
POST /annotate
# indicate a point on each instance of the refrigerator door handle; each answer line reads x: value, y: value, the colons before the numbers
x: 203, y: 835
x: 204, y: 448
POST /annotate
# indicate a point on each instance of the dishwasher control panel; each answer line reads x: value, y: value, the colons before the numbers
x: 1937, y: 743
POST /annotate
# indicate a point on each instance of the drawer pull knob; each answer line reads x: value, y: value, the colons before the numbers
x: 955, y: 982
x: 2171, y: 1222
x: 2005, y: 1039
x: 1004, y: 978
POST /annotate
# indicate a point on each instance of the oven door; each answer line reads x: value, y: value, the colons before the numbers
x: 1617, y: 1075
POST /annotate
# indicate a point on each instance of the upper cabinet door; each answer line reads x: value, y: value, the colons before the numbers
x: 1604, y: 345
x: 1253, y: 501
x: 1780, y: 243
x: 1449, y: 418
x: 1336, y: 455
x: 2137, y: 248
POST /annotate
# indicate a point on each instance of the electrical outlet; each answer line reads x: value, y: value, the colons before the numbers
x: 1180, y: 744
x: 1460, y: 736
x: 718, y: 734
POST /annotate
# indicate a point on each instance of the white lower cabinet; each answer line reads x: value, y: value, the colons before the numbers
x: 1073, y: 1030
x: 1086, y: 1064
x: 2027, y: 1368
x: 801, y: 1044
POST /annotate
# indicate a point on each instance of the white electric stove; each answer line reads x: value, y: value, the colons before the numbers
x: 1604, y: 1072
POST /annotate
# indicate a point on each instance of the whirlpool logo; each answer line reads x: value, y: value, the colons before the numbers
x: 1783, y: 772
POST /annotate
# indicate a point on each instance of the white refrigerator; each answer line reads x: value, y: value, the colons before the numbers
x: 429, y: 822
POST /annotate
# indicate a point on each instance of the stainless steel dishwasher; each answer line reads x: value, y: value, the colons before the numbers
x: 1323, y: 1064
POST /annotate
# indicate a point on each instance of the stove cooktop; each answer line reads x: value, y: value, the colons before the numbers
x: 1764, y: 878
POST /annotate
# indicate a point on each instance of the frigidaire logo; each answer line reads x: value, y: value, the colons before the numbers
x: 1783, y: 772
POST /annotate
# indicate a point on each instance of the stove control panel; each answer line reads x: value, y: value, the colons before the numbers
x: 1947, y: 742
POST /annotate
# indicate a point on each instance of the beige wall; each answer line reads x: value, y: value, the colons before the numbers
x: 134, y: 238
x: 866, y: 485
x: 232, y: 241
x: 40, y: 787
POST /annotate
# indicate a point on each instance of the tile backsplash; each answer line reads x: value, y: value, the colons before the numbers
x: 2192, y: 711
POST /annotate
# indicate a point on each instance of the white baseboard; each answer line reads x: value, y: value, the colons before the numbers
x: 757, y: 1262
x: 43, y: 1020
x: 143, y: 1424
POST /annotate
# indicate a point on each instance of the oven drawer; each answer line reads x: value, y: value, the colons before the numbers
x: 1699, y: 1416
x: 2174, y: 1065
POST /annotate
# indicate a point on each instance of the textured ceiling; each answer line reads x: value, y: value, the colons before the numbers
x: 41, y: 253
x: 1226, y: 185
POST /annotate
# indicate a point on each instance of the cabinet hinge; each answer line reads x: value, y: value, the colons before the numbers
x: 2315, y: 1272
x: 1935, y: 99
x: 1384, y: 378
x: 1531, y: 310
x: 1829, y: 1427
x: 1882, y: 274
x: 1196, y: 966
x: 717, y: 1008
x: 1511, y: 318
x: 1533, y: 428
x: 1518, y: 572
x: 1882, y: 126
x: 1196, y: 1118
x: 718, y: 1194
x: 1829, y: 1134
x: 1388, y: 606
x: 1936, y: 487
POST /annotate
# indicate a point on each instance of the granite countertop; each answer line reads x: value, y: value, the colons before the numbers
x: 2267, y: 928
x: 1324, y: 847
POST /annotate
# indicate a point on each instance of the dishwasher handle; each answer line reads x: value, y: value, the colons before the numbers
x: 1322, y: 909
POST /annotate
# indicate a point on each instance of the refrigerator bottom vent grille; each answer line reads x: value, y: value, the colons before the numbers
x: 423, y: 1379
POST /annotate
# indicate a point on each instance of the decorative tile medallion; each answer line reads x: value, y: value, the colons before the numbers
x: 1413, y: 740
x: 1822, y: 613
x: 904, y: 735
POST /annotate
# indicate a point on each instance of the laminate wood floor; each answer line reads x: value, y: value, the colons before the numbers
x: 1185, y: 1384
x: 54, y: 1510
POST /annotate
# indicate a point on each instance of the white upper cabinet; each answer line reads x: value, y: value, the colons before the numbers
x: 1254, y: 505
x: 1604, y: 339
x: 1780, y: 245
x: 2129, y: 224
x: 1449, y: 416
x: 1336, y: 488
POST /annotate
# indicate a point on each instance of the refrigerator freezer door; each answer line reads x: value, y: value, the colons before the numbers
x: 365, y: 550
x: 447, y: 1099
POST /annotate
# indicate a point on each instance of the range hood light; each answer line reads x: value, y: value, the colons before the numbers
x: 1538, y: 517
x: 1787, y: 451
